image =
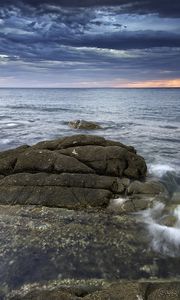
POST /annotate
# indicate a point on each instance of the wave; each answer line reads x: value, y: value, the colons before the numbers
x: 46, y: 109
x: 13, y: 125
x: 166, y: 139
x: 5, y: 141
x: 160, y: 169
x: 10, y: 125
x: 168, y: 127
x: 164, y: 239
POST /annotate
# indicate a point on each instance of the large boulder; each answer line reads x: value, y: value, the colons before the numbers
x: 8, y: 159
x: 73, y: 172
x: 65, y: 180
x: 49, y: 161
x: 79, y: 140
x: 109, y: 160
x: 54, y: 196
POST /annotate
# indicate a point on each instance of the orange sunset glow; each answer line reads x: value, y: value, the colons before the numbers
x: 166, y: 83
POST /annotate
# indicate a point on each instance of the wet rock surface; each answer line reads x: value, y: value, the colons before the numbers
x: 100, y: 290
x: 42, y: 244
x: 150, y: 187
x: 66, y: 223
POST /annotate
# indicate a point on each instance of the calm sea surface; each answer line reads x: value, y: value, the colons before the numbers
x: 148, y: 119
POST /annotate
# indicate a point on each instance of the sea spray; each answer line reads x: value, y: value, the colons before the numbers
x: 117, y: 202
x: 177, y: 215
x: 164, y: 239
x: 167, y: 174
x: 160, y: 169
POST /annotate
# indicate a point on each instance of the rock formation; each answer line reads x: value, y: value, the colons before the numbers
x: 73, y: 172
x: 82, y: 124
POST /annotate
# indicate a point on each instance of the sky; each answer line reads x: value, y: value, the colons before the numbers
x: 88, y: 43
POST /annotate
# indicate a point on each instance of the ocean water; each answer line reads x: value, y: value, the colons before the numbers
x: 148, y: 119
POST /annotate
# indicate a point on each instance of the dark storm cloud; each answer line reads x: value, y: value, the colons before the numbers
x: 161, y: 7
x: 56, y: 37
x: 91, y: 38
x: 129, y: 40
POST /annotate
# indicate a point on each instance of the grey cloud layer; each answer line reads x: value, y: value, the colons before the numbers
x: 93, y: 38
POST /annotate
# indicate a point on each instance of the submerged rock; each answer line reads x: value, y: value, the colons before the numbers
x: 168, y: 220
x: 130, y: 204
x: 82, y: 124
x: 42, y: 244
x: 149, y: 187
x: 176, y: 197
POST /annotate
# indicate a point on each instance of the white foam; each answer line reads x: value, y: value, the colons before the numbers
x: 11, y: 124
x: 151, y: 214
x: 5, y: 141
x: 117, y: 202
x: 160, y: 169
x: 164, y: 239
x: 177, y: 215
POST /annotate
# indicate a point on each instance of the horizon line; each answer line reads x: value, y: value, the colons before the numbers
x: 115, y: 88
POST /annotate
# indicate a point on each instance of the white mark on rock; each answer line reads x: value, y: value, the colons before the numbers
x: 74, y: 152
x: 139, y: 297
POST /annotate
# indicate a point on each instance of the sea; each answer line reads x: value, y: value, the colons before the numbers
x: 148, y: 119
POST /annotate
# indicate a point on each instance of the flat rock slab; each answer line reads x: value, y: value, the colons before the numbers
x: 40, y: 244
